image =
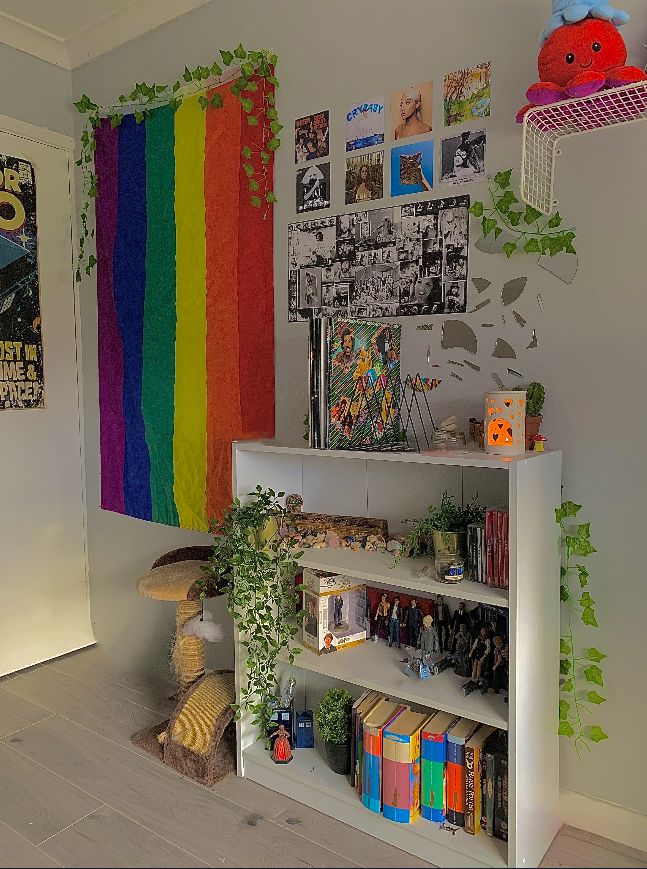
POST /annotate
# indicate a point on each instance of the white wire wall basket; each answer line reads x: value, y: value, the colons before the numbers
x: 545, y: 126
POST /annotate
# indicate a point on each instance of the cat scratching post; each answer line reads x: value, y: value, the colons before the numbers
x: 177, y: 582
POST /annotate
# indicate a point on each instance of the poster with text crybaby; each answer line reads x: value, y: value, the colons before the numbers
x: 21, y: 346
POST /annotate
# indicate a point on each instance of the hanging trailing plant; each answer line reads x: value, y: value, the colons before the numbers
x: 580, y: 675
x: 257, y: 568
x: 252, y: 79
x: 533, y: 232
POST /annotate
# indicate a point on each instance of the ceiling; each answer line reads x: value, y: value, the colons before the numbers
x: 68, y: 33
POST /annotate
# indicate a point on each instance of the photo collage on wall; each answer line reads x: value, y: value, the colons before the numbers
x: 406, y: 260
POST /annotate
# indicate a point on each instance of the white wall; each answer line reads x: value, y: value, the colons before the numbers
x: 590, y: 335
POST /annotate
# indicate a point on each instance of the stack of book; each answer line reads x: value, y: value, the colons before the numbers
x: 488, y: 559
x: 435, y: 764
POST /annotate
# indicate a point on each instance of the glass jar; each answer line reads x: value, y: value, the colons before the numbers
x: 449, y: 568
x: 449, y: 440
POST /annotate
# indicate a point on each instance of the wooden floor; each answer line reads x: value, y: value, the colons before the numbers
x: 74, y: 792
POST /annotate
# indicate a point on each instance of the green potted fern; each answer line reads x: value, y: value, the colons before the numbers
x: 535, y: 397
x: 333, y: 719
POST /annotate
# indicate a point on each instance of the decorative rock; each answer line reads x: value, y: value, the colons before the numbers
x: 333, y: 540
x: 355, y: 546
x: 319, y: 545
x: 394, y: 545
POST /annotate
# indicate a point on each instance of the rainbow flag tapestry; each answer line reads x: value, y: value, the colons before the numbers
x: 185, y: 310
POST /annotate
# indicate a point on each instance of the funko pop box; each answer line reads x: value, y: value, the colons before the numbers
x: 335, y: 611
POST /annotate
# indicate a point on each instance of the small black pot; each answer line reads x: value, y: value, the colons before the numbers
x: 338, y: 757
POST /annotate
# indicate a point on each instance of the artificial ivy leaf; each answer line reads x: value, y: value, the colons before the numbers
x: 567, y: 511
x: 502, y: 179
x: 115, y: 120
x: 565, y: 667
x: 247, y: 104
x: 252, y: 120
x: 555, y: 220
x: 531, y: 215
x: 273, y: 59
x: 586, y: 599
x: 565, y: 729
x: 497, y: 231
x: 253, y: 184
x: 160, y: 88
x: 564, y: 594
x: 227, y: 57
x: 272, y: 114
x: 247, y: 69
x: 596, y: 734
x: 217, y: 100
x: 588, y: 617
x: 532, y: 246
x: 565, y: 648
x: 256, y: 201
x: 246, y: 152
x: 594, y: 697
x: 92, y: 261
x: 79, y: 161
x: 477, y: 209
x: 251, y: 86
x: 215, y: 70
x: 554, y: 244
x: 270, y: 98
x: 514, y: 217
x: 240, y: 52
x: 567, y: 687
x: 187, y: 75
x: 581, y: 546
x: 509, y: 248
x: 270, y: 197
x: 545, y: 244
x: 564, y: 707
x: 273, y: 144
x: 569, y: 248
x: 272, y: 79
x: 275, y: 127
x: 503, y: 204
x: 265, y: 157
x: 176, y: 87
x: 139, y: 117
x: 122, y: 98
x: 203, y: 101
x: 594, y: 674
x: 583, y: 574
x: 488, y: 224
x: 594, y: 654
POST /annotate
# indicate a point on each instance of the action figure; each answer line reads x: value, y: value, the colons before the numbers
x: 480, y: 654
x: 281, y: 750
x: 382, y: 616
x: 500, y: 667
x: 413, y: 622
x: 429, y: 644
x: 462, y: 652
x: 460, y: 617
x: 337, y: 610
x: 442, y: 622
x: 395, y: 617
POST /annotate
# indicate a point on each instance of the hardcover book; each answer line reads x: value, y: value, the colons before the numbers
x: 473, y: 749
x: 363, y: 385
x: 374, y: 723
x: 401, y: 767
x: 433, y: 749
x: 456, y: 739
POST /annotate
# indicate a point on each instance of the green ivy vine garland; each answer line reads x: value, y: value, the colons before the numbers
x: 531, y: 233
x: 574, y: 668
x: 244, y: 67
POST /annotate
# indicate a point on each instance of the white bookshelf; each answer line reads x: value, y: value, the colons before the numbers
x: 396, y: 486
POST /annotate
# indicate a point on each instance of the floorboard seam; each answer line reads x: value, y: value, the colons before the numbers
x: 27, y: 726
x: 69, y: 826
x: 29, y: 842
x: 312, y: 841
x: 33, y: 702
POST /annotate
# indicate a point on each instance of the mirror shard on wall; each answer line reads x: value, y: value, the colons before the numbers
x: 457, y: 333
x: 503, y: 350
x: 512, y: 290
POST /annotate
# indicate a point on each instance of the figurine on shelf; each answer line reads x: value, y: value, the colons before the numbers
x: 462, y: 666
x: 442, y: 665
x: 395, y: 618
x: 382, y: 616
x: 480, y: 654
x: 500, y: 666
x: 442, y: 622
x: 429, y: 643
x: 281, y: 749
x: 338, y: 606
x: 413, y: 622
x: 459, y: 617
x: 416, y: 666
x: 538, y: 442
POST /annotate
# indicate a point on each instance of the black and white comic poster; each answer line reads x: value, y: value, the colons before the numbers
x: 313, y: 188
x: 393, y: 261
x: 21, y: 345
x: 311, y: 137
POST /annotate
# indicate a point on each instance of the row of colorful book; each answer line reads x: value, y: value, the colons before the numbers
x: 488, y: 557
x: 434, y: 764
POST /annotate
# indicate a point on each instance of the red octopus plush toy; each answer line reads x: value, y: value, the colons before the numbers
x: 578, y: 60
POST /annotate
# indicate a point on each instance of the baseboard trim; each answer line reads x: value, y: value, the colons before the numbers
x: 604, y: 819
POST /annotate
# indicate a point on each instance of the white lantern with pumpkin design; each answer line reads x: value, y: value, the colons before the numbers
x: 504, y: 423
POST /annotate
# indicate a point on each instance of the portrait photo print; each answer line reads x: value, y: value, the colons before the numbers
x: 364, y: 177
x: 463, y: 158
x: 411, y: 111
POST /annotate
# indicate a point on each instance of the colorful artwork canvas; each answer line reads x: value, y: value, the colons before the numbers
x: 364, y: 384
x: 364, y: 124
x: 467, y: 94
x: 412, y: 168
x: 185, y: 310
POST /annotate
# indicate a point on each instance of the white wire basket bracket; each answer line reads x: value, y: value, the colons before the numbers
x: 545, y: 126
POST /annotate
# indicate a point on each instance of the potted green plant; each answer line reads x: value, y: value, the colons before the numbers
x: 333, y: 719
x: 535, y: 397
x: 443, y: 531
